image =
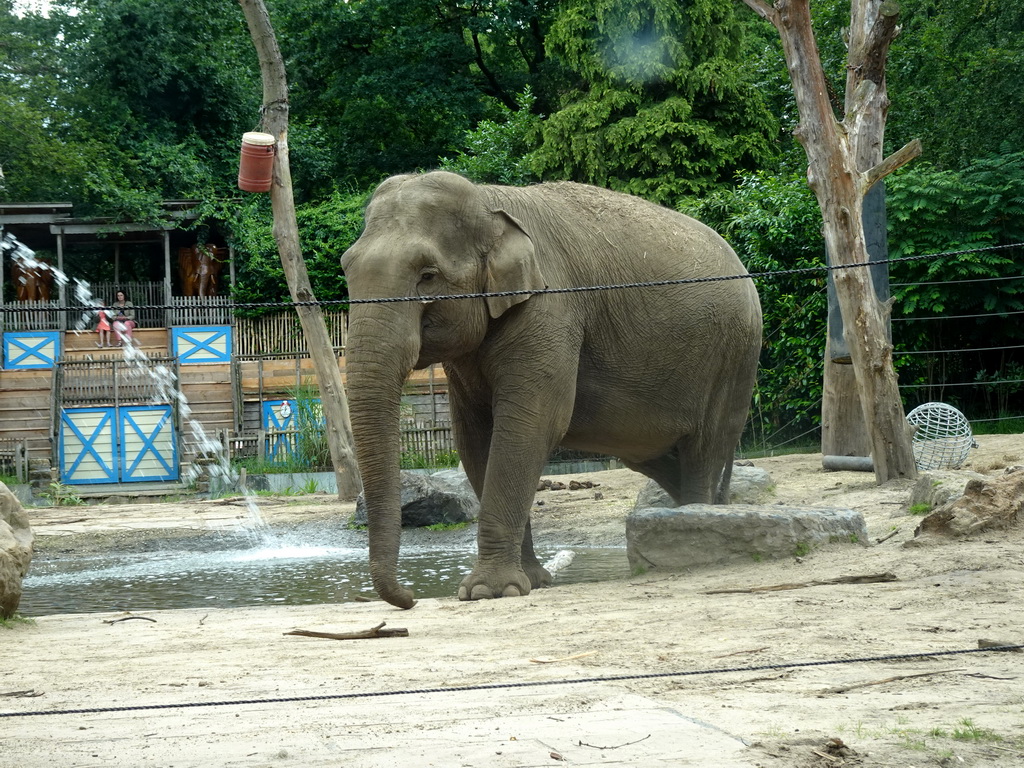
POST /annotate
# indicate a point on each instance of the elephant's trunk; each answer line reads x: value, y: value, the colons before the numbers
x: 382, y: 347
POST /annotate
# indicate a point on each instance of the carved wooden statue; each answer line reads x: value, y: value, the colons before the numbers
x: 199, y: 268
x: 32, y: 282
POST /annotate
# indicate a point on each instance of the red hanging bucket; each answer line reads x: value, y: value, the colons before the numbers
x: 256, y: 163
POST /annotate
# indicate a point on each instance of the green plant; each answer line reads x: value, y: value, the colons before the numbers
x: 966, y: 730
x: 311, y: 486
x: 418, y: 460
x: 448, y: 526
x: 9, y: 480
x: 802, y: 548
x: 757, y: 557
x: 920, y: 509
x: 61, y: 495
x: 15, y: 621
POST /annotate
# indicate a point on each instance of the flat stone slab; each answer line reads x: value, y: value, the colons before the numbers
x: 704, y: 534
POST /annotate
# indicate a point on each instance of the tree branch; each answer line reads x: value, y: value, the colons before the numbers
x: 872, y: 56
x: 762, y: 9
x: 893, y: 162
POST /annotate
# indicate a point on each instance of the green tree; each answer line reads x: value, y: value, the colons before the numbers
x: 497, y: 151
x: 328, y: 226
x: 955, y: 79
x: 171, y: 86
x: 663, y: 105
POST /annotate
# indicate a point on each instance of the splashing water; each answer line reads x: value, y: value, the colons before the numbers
x: 165, y: 382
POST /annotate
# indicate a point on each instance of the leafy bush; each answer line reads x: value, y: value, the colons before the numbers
x: 327, y: 227
x: 498, y: 152
x: 959, y: 302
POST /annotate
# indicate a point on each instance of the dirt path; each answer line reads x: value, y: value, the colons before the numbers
x: 957, y: 710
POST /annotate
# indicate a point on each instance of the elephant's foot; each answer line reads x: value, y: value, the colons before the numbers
x: 487, y: 583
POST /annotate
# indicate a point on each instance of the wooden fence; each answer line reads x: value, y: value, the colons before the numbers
x: 36, y: 316
x: 45, y: 315
x: 14, y: 458
x: 201, y: 310
x: 427, y: 446
x: 110, y: 382
x: 421, y: 446
x: 282, y: 333
x: 146, y: 294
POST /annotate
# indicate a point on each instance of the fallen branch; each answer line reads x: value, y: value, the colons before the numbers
x: 845, y: 688
x: 550, y: 660
x: 887, y: 536
x: 615, y: 746
x: 871, y: 578
x: 366, y: 634
x: 30, y: 693
x: 739, y: 653
x: 129, y: 618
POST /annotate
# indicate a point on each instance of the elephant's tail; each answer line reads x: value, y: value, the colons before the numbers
x: 722, y: 495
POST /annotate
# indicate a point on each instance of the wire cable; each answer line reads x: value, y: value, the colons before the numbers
x: 507, y: 686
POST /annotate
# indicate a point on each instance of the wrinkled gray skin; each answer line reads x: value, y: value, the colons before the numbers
x: 660, y: 377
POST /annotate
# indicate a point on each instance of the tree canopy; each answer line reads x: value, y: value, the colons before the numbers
x: 116, y: 105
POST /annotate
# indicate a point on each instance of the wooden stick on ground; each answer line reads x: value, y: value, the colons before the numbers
x: 365, y: 634
x: 845, y: 688
x: 871, y: 578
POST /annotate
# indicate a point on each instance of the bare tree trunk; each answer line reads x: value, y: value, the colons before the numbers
x: 286, y: 233
x: 836, y: 152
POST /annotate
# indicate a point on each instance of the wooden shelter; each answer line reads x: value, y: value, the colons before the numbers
x: 103, y: 421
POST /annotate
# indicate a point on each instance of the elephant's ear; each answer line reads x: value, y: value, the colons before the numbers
x: 511, y: 265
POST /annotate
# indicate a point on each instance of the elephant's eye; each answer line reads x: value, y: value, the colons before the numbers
x: 427, y: 275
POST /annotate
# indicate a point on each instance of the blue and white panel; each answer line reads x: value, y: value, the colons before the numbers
x: 27, y: 350
x: 202, y: 343
x: 149, y: 448
x: 88, y: 446
x: 280, y: 416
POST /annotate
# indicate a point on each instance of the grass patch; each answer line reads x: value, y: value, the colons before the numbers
x: 966, y: 730
x: 17, y: 620
x: 447, y: 526
x: 802, y: 548
x: 920, y: 509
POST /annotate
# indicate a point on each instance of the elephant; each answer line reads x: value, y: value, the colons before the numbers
x: 660, y: 377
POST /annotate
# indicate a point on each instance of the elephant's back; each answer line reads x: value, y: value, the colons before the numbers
x: 622, y: 235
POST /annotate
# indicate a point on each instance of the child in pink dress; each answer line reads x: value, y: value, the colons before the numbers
x: 103, y: 327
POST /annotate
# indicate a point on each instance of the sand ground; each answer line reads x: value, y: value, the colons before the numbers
x: 231, y: 689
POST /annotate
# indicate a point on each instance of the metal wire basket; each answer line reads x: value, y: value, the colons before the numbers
x: 943, y: 436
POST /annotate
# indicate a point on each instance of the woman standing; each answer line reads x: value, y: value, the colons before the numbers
x: 124, y: 317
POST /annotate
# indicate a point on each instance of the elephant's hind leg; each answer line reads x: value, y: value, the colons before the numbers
x: 689, y: 472
x: 663, y: 470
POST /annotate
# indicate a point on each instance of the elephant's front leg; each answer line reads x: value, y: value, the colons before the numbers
x: 506, y: 565
x: 535, y: 572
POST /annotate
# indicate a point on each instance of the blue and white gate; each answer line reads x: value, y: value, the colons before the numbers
x: 118, y: 444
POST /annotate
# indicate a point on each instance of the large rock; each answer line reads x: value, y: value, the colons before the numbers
x: 749, y: 485
x: 987, y: 503
x: 705, y: 534
x: 15, y: 550
x: 443, y: 498
x: 940, y: 486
